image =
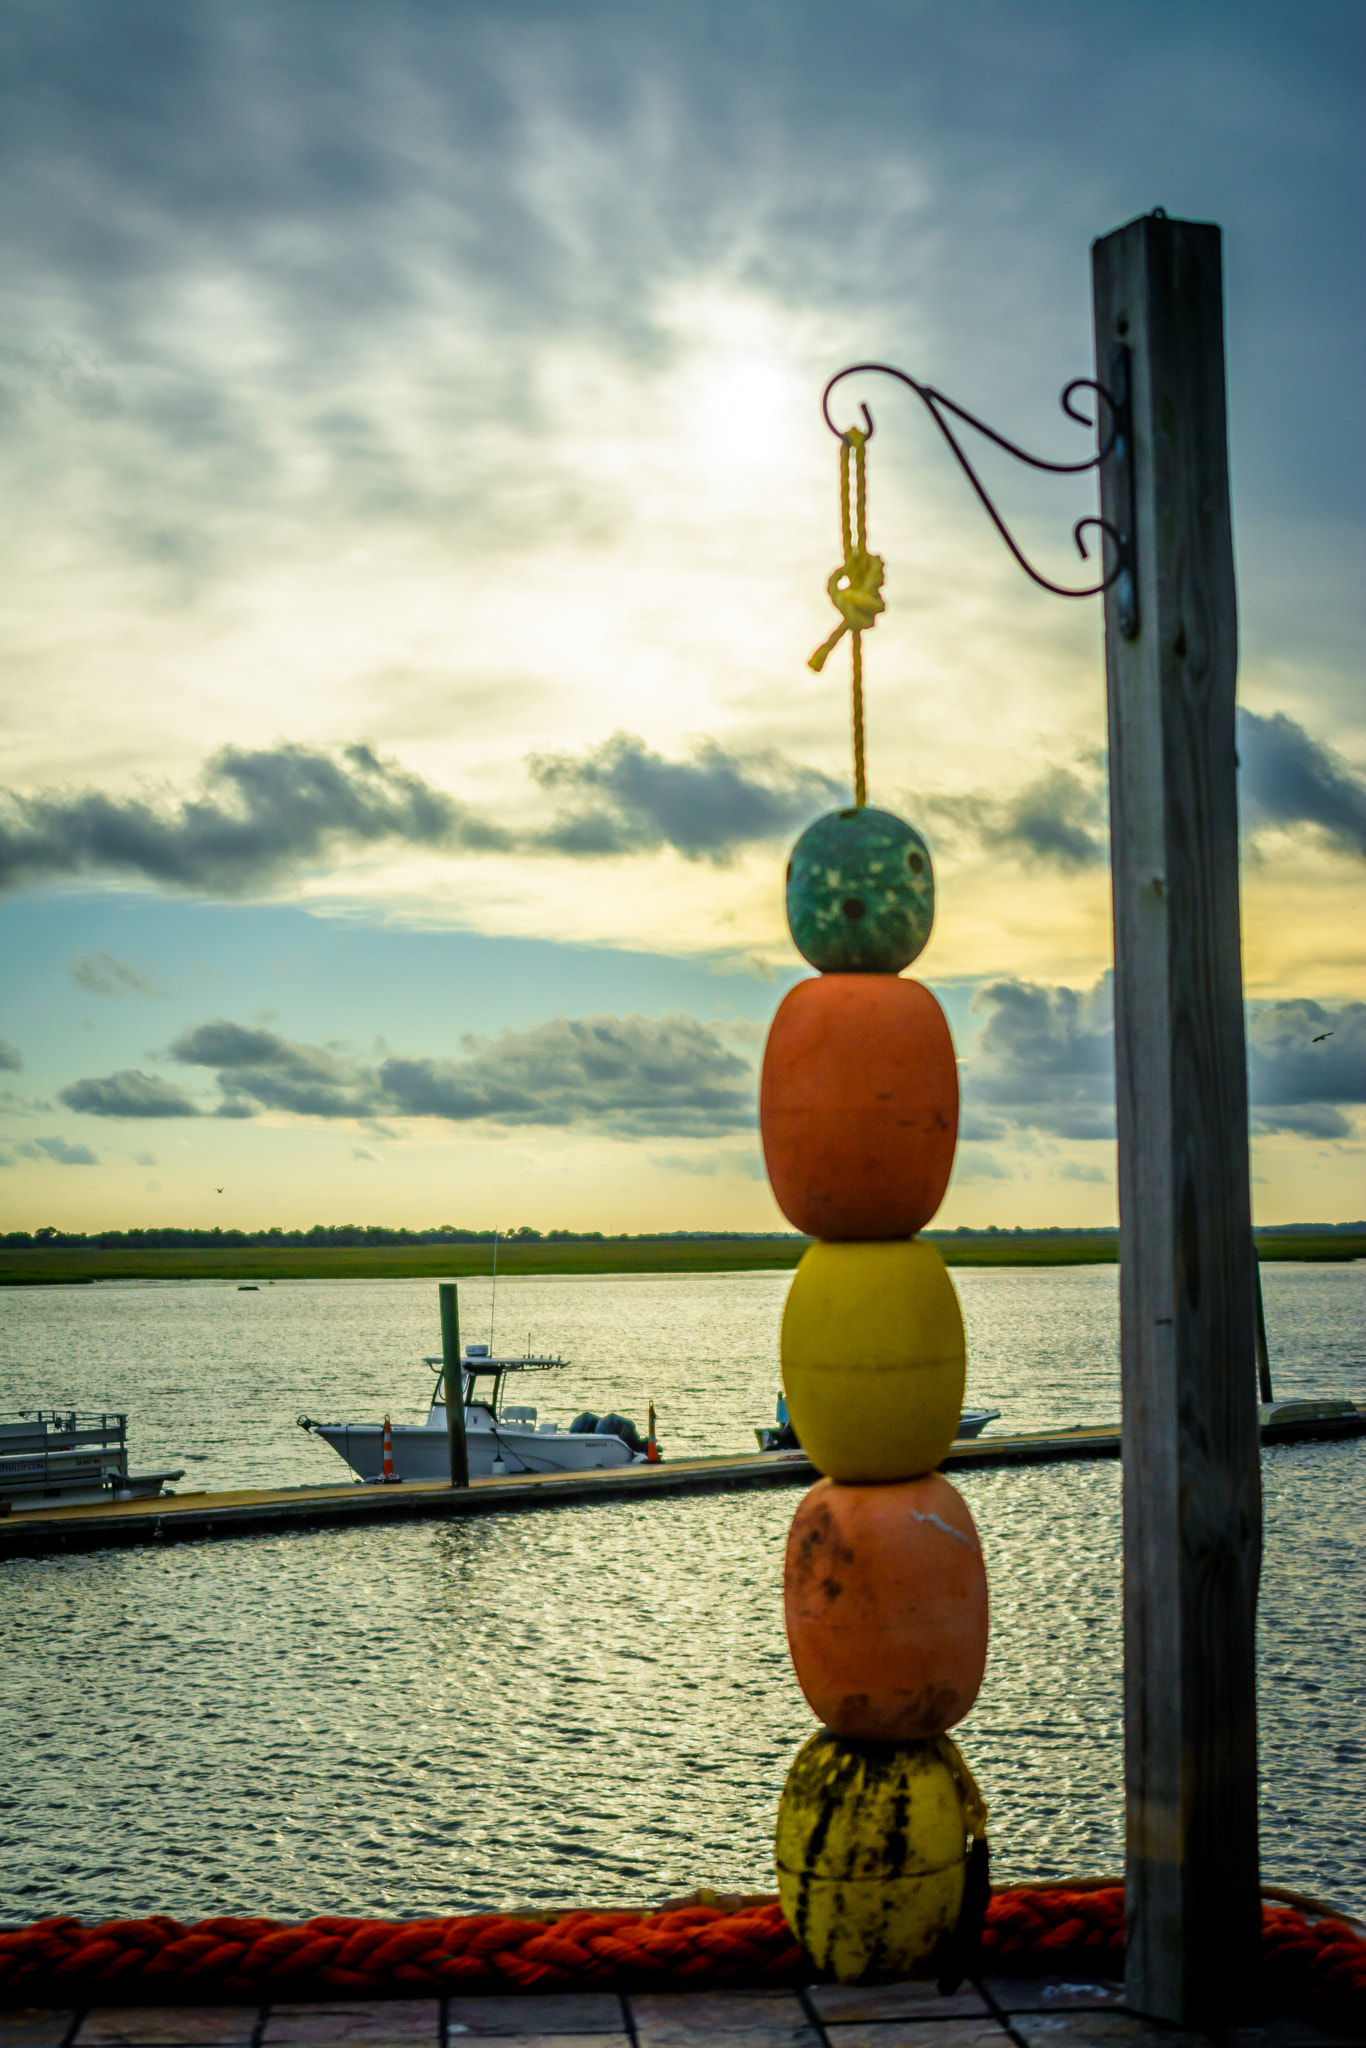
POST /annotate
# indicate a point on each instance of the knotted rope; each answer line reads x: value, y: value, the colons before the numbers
x: 60, y: 1961
x: 1314, y: 1966
x: 855, y: 587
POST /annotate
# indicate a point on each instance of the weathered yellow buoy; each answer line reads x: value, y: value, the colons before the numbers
x: 871, y: 1850
x: 874, y: 1359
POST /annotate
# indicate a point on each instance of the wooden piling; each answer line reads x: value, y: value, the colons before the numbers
x: 1264, y: 1388
x: 1192, y: 1482
x: 453, y: 1376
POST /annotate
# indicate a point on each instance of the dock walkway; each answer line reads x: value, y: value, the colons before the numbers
x: 1036, y: 2012
x: 191, y: 1517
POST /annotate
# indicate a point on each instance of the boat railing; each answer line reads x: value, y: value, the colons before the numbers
x: 526, y: 1362
x: 60, y: 1429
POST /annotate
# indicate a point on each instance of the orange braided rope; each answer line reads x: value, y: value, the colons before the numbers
x: 1314, y: 1966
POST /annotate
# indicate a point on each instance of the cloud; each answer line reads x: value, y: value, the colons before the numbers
x: 259, y: 817
x: 1044, y: 1058
x: 977, y: 1165
x: 221, y: 1043
x: 104, y: 975
x: 259, y: 1069
x: 632, y: 1076
x: 11, y: 1060
x: 975, y: 1129
x: 1303, y: 1120
x: 1304, y: 1060
x: 1059, y: 819
x: 1081, y: 1169
x: 127, y: 1093
x: 359, y: 1152
x: 57, y: 1149
x: 1044, y: 1062
x: 625, y: 798
x: 1287, y: 778
x: 702, y: 1163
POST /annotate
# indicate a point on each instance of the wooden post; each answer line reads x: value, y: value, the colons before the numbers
x: 1263, y: 1353
x: 1192, y: 1476
x: 453, y: 1374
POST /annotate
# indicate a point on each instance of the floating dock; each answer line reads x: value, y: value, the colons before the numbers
x: 196, y: 1517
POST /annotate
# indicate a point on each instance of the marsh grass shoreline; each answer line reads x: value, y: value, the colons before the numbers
x: 55, y: 1266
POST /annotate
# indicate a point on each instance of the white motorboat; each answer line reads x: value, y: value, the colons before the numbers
x: 500, y: 1437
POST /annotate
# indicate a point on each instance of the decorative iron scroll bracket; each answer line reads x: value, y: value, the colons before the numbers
x: 1115, y: 445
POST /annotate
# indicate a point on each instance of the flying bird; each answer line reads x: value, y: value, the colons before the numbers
x: 1319, y: 1040
x: 218, y: 1191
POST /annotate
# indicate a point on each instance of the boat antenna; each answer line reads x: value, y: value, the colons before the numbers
x: 493, y: 1292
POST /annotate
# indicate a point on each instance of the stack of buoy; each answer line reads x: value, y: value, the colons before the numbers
x: 881, y: 1831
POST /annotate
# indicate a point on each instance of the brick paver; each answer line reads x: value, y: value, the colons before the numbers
x: 984, y: 2032
x: 997, y: 2012
x: 585, y: 2017
x: 913, y: 2000
x: 723, y: 2019
x: 169, y: 2026
x: 34, y: 2026
x: 385, y: 2023
x: 1098, y: 2030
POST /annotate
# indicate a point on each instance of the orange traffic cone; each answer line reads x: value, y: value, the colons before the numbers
x: 388, y: 1476
x: 651, y: 1447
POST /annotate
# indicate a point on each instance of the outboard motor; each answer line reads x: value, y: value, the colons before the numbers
x: 620, y: 1425
x: 585, y: 1424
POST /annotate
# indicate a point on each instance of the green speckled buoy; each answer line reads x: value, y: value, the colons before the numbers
x: 860, y: 893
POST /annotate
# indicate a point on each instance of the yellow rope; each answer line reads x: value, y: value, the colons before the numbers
x: 855, y: 587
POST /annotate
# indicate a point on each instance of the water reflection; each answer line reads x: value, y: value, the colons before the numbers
x: 594, y: 1705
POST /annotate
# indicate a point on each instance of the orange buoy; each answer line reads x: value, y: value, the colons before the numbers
x: 885, y: 1597
x: 858, y: 1106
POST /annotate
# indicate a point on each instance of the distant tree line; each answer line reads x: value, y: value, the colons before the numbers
x: 169, y: 1239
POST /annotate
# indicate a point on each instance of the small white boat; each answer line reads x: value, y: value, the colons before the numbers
x: 55, y: 1458
x: 973, y: 1421
x: 783, y: 1437
x: 499, y: 1438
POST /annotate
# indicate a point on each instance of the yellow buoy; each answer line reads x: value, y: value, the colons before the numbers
x: 874, y: 1359
x: 871, y: 1851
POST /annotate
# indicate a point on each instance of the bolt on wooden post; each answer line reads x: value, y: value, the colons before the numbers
x: 1192, y: 1477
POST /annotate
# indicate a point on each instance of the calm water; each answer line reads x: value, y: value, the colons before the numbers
x: 595, y: 1704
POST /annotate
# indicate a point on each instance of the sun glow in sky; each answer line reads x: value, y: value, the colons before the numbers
x: 425, y: 518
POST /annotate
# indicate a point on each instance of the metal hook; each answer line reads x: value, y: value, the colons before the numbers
x: 938, y: 405
x: 868, y: 428
x: 1108, y: 528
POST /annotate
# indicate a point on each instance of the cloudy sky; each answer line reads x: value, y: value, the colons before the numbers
x: 421, y: 517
